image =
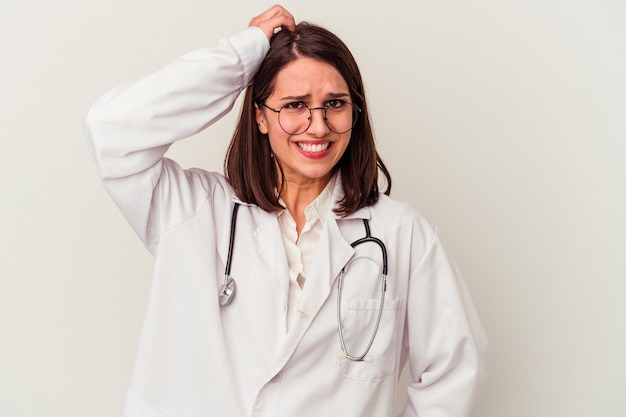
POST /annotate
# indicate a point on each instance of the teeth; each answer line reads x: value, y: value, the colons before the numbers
x: 319, y: 147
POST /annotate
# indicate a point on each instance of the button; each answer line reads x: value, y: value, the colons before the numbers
x: 277, y: 377
x: 296, y: 268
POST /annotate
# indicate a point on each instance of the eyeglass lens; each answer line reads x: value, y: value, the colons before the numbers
x: 339, y: 119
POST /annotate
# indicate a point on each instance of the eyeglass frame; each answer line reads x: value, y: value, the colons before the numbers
x: 325, y: 109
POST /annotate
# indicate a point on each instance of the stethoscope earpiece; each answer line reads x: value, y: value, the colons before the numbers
x: 343, y: 355
x: 363, y: 357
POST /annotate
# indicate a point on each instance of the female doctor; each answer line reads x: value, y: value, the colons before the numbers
x: 290, y: 286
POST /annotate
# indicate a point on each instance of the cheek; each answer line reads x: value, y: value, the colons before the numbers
x: 274, y: 130
x: 277, y: 138
x: 345, y: 144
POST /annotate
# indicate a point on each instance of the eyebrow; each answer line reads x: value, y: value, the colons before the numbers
x: 308, y: 96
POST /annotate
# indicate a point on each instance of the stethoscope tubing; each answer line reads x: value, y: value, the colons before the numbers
x: 344, y: 351
x: 228, y: 288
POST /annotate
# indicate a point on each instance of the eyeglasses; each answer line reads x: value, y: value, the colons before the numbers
x: 295, y: 118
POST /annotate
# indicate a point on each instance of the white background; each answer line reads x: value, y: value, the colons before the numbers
x: 504, y: 121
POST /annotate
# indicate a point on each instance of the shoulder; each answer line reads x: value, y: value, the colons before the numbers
x: 402, y: 218
x: 181, y: 194
x: 391, y: 210
x: 193, y: 181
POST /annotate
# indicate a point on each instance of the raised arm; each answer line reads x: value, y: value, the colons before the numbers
x: 130, y: 128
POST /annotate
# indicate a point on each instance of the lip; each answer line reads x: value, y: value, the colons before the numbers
x: 314, y: 155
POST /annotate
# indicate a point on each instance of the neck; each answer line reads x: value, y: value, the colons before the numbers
x: 297, y: 196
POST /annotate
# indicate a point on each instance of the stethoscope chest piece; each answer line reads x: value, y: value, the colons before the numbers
x: 227, y: 291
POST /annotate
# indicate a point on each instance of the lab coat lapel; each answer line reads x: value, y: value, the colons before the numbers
x: 332, y: 254
x: 270, y: 246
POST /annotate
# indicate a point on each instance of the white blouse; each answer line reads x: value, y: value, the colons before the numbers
x: 300, y: 249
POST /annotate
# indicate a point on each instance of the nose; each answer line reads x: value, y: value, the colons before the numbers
x: 318, y: 125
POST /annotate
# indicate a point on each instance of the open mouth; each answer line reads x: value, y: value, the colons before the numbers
x: 313, y: 147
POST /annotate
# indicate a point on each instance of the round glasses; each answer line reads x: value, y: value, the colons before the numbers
x: 295, y: 118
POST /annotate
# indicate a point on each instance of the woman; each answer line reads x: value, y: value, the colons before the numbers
x: 262, y: 304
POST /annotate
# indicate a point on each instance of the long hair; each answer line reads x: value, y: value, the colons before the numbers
x: 250, y: 166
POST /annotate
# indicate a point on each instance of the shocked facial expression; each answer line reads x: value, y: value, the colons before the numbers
x: 307, y: 155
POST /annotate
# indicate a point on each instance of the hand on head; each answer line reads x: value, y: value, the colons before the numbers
x: 273, y: 18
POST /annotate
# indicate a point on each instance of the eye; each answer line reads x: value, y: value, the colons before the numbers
x: 295, y: 105
x: 335, y: 104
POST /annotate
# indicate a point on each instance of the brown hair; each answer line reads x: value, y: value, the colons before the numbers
x: 249, y: 164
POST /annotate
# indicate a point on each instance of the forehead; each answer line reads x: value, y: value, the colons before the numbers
x: 308, y: 77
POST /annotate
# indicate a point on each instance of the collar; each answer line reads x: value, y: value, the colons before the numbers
x: 334, y: 191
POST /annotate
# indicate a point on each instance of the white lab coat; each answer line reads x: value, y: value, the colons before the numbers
x: 197, y: 359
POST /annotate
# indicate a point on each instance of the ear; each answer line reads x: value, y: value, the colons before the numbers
x: 260, y: 119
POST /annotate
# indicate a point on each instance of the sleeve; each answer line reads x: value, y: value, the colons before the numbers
x: 130, y: 128
x: 444, y: 339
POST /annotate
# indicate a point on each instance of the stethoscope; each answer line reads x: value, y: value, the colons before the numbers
x: 227, y: 290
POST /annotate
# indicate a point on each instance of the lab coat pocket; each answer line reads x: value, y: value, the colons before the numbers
x: 358, y: 327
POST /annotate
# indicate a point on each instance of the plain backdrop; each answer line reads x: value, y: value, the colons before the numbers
x: 503, y: 121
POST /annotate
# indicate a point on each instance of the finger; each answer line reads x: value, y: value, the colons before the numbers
x: 274, y: 11
x: 288, y: 21
x: 274, y: 18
